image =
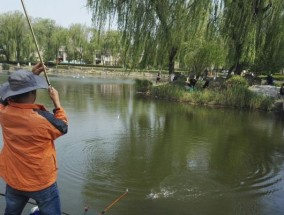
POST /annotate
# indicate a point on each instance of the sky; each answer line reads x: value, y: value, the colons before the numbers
x: 63, y: 12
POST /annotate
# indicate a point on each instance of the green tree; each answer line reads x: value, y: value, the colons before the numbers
x: 270, y: 55
x: 203, y: 54
x: 13, y: 35
x: 153, y: 30
x: 246, y: 24
x: 6, y: 30
x: 108, y: 43
x: 59, y: 38
x: 44, y: 30
x: 207, y: 49
x: 77, y: 41
x: 28, y: 52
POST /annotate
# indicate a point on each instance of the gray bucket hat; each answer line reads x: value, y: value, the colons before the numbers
x: 21, y: 81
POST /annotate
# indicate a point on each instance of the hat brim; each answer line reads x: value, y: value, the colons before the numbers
x: 6, y: 91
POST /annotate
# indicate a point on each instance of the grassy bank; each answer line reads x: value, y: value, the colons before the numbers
x: 232, y: 93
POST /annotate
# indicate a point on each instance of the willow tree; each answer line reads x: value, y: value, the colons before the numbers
x: 44, y: 30
x: 13, y: 35
x: 107, y: 44
x: 270, y: 58
x: 77, y: 41
x: 59, y: 38
x: 245, y: 27
x: 207, y: 49
x: 153, y: 30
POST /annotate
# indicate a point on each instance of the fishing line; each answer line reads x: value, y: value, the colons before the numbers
x: 29, y: 22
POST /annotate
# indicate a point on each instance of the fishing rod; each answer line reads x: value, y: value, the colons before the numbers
x: 33, y: 34
x: 114, y: 202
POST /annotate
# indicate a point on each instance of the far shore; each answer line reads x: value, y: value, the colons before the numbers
x: 95, y: 71
x: 104, y: 72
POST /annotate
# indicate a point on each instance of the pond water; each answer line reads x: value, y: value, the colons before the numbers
x: 173, y: 158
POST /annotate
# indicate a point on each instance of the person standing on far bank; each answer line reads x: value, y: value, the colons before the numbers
x: 281, y: 91
x: 28, y: 158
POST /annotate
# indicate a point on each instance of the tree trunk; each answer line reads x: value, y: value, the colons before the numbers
x: 18, y: 54
x: 7, y: 55
x: 237, y: 69
x: 172, y: 60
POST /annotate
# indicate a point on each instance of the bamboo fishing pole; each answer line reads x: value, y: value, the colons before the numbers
x: 38, y: 51
x: 114, y: 202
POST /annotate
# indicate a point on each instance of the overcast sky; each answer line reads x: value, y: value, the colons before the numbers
x: 64, y: 12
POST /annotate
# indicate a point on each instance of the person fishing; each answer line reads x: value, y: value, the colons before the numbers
x: 28, y: 162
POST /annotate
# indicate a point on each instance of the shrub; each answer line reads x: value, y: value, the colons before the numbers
x: 236, y: 94
x: 237, y: 97
x: 5, y: 66
x: 168, y: 91
x: 261, y: 102
x: 236, y: 81
x: 143, y: 85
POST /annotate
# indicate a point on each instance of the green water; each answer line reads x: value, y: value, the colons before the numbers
x: 173, y: 158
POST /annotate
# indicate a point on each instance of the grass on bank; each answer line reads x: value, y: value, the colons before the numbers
x: 233, y: 93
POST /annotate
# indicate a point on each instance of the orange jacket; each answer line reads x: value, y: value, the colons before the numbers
x: 28, y: 157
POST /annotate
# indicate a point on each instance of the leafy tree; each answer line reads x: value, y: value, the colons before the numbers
x: 107, y: 43
x: 44, y: 30
x: 77, y: 42
x: 153, y: 30
x: 202, y: 54
x: 6, y: 44
x: 206, y: 49
x: 28, y: 52
x: 246, y: 24
x: 59, y: 38
x: 270, y: 56
x: 13, y: 35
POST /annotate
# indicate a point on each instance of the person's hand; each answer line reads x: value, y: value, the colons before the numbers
x: 38, y: 68
x: 53, y: 93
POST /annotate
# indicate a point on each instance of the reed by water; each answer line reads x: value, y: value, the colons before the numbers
x: 233, y: 93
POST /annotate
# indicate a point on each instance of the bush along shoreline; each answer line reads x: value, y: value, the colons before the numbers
x: 233, y: 92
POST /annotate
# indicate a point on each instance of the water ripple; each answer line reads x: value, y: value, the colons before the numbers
x: 263, y: 180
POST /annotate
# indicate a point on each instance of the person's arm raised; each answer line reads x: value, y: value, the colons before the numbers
x: 38, y: 68
x: 54, y: 95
